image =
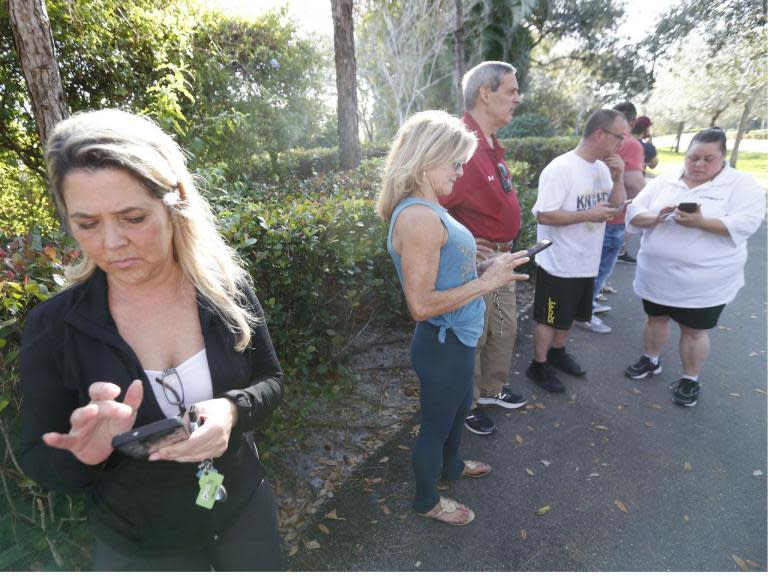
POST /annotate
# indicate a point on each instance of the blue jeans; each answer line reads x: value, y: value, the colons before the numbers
x: 445, y: 384
x: 612, y: 242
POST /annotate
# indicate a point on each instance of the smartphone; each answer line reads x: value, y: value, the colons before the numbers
x: 689, y: 207
x: 139, y: 442
x: 622, y: 204
x: 538, y: 247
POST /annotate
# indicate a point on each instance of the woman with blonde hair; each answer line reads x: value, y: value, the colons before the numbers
x: 159, y: 321
x: 435, y: 258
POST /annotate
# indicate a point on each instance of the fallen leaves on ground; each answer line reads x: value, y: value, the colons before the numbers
x: 740, y: 563
x: 657, y: 406
x: 524, y: 534
x: 324, y: 529
x: 593, y: 475
x: 543, y: 510
x: 734, y: 395
x: 418, y: 563
x: 687, y: 466
x: 757, y: 473
x: 402, y: 447
x: 311, y: 544
x: 384, y: 460
x: 292, y: 549
x: 386, y: 510
x: 761, y: 391
x: 685, y: 518
x: 519, y: 439
x: 332, y: 515
x: 546, y: 463
x: 620, y: 505
x: 600, y: 427
x: 556, y: 424
x: 649, y: 424
x: 530, y: 472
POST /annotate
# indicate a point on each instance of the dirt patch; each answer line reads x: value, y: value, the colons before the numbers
x: 350, y: 428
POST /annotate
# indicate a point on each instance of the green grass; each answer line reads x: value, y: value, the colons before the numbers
x: 755, y: 163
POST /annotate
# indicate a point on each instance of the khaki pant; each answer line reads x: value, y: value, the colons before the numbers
x: 493, y: 358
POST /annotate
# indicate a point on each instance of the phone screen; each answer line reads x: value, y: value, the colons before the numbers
x: 689, y: 207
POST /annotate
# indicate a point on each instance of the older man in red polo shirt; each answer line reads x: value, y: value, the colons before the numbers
x: 485, y: 201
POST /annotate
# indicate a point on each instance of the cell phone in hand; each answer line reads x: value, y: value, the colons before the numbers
x: 538, y: 247
x: 689, y: 207
x: 140, y: 442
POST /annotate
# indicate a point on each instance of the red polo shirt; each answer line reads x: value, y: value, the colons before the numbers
x: 632, y: 153
x: 478, y: 199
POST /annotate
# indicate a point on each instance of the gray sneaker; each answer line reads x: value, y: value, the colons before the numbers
x: 595, y: 325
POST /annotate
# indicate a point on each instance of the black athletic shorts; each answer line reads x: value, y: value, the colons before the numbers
x: 560, y: 301
x: 696, y: 318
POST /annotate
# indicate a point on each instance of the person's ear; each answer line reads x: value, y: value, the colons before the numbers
x: 484, y: 93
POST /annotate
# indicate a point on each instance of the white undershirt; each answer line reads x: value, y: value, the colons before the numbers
x: 195, y: 376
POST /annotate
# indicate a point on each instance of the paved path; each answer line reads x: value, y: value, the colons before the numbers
x: 633, y: 482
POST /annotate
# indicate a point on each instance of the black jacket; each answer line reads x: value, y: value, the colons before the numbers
x: 71, y: 341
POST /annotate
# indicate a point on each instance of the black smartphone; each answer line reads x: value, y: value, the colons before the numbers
x: 538, y: 247
x: 689, y: 207
x: 139, y: 442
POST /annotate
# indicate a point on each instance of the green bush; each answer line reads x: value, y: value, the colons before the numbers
x: 33, y: 520
x: 538, y: 152
x: 525, y: 125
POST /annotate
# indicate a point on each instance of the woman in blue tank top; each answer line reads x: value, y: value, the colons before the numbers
x: 435, y: 258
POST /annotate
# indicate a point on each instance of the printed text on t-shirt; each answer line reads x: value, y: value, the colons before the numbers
x: 590, y: 200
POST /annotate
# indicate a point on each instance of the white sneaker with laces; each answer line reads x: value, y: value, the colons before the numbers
x: 597, y: 308
x: 596, y: 325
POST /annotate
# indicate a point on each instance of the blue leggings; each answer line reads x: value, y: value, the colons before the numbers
x: 445, y: 378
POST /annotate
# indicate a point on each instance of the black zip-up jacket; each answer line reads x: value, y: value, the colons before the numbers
x: 141, y: 507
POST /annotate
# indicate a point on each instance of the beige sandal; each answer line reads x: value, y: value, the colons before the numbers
x: 449, y: 511
x: 472, y: 469
x: 475, y: 469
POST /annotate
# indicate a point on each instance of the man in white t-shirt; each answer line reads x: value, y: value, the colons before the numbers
x: 576, y: 193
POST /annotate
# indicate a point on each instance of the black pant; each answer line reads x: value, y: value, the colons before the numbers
x: 250, y: 543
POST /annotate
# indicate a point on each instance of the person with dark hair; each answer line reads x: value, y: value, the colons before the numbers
x: 578, y: 192
x: 159, y: 325
x: 484, y: 200
x: 631, y: 152
x: 692, y: 253
x: 642, y: 131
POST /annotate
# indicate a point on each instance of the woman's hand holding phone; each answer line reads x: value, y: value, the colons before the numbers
x: 95, y: 424
x: 501, y: 270
x: 217, y: 417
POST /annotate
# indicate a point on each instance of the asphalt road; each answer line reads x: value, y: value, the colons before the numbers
x: 632, y: 481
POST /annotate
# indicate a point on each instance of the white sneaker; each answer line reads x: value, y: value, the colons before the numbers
x: 597, y: 308
x: 595, y: 325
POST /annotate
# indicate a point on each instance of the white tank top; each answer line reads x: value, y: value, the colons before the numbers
x: 195, y: 377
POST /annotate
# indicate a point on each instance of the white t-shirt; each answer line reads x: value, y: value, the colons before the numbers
x: 196, y: 383
x: 571, y: 183
x: 688, y: 267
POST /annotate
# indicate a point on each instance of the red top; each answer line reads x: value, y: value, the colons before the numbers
x: 478, y: 199
x: 631, y: 151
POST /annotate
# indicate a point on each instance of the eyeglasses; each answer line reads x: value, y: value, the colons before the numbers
x: 506, y: 179
x: 619, y: 136
x: 173, y: 389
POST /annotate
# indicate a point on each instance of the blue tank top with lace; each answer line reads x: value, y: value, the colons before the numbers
x: 457, y: 266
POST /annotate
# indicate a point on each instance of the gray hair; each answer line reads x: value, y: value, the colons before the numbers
x: 114, y: 139
x: 487, y: 73
x: 600, y: 120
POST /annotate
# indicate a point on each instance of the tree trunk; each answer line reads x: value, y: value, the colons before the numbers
x: 459, y: 56
x: 346, y: 84
x: 679, y: 135
x: 740, y: 133
x: 34, y: 45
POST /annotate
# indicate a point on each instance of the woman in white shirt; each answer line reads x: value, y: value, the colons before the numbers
x: 692, y: 254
